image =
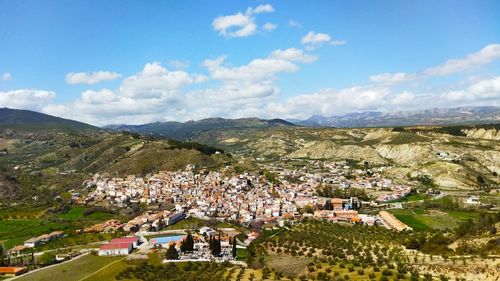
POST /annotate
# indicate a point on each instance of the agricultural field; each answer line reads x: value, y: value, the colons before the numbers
x: 79, y: 269
x: 14, y: 232
x: 421, y: 220
x: 86, y: 214
x: 17, y: 226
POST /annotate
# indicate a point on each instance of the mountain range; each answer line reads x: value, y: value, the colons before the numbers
x: 31, y: 120
x: 190, y: 129
x: 435, y: 116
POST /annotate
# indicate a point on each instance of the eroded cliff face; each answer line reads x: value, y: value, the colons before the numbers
x: 331, y: 150
x: 487, y: 134
x: 406, y: 153
x: 453, y: 161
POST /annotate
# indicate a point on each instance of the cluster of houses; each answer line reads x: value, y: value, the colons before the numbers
x: 243, y: 197
x: 153, y: 221
x: 109, y: 226
x: 149, y: 221
x: 397, y: 192
x: 43, y: 239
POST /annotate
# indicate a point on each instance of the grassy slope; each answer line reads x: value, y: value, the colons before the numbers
x: 72, y: 270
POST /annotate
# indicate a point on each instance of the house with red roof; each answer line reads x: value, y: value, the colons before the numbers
x: 12, y: 271
x: 134, y: 240
x: 119, y: 246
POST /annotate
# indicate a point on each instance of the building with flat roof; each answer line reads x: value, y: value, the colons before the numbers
x: 118, y: 249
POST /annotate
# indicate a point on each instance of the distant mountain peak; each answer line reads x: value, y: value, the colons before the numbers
x: 432, y: 116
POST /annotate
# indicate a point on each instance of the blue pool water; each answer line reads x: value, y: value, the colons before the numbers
x: 166, y: 240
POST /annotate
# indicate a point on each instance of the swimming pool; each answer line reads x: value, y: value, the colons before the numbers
x: 166, y: 239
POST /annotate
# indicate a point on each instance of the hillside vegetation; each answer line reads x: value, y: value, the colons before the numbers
x: 36, y: 122
x: 46, y: 163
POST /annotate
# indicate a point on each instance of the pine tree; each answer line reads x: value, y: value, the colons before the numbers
x: 215, y: 247
x: 2, y: 256
x: 211, y: 244
x: 189, y: 242
x: 219, y: 246
x: 234, y: 247
x: 172, y: 253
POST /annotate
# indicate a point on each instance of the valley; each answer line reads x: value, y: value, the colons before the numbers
x: 274, y: 190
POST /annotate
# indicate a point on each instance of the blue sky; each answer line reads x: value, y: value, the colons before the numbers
x: 133, y: 61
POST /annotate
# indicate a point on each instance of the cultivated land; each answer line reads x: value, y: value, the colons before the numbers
x: 78, y: 269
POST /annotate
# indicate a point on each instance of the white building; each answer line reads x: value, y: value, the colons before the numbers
x: 121, y: 249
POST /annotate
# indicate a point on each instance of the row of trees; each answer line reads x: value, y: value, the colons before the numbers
x: 187, y: 245
x: 337, y: 192
x: 215, y: 246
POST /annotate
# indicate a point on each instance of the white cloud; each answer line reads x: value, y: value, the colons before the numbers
x: 485, y: 56
x: 313, y: 40
x: 252, y: 89
x: 257, y: 69
x: 293, y: 54
x: 6, y: 76
x: 295, y: 24
x: 483, y: 91
x: 279, y: 61
x: 265, y: 8
x: 403, y: 99
x: 392, y: 78
x: 328, y: 102
x: 26, y: 98
x: 91, y: 77
x: 179, y: 64
x: 239, y: 24
x: 156, y: 81
x: 269, y: 26
x: 150, y: 95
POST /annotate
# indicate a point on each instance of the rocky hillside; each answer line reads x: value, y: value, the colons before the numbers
x: 464, y: 157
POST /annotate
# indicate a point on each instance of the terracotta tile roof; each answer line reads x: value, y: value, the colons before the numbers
x: 11, y: 269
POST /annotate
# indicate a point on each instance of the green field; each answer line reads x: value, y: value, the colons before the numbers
x: 78, y: 213
x: 73, y: 214
x: 20, y: 226
x: 82, y: 268
x: 14, y: 232
x: 421, y: 220
x: 108, y: 273
x: 241, y: 254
